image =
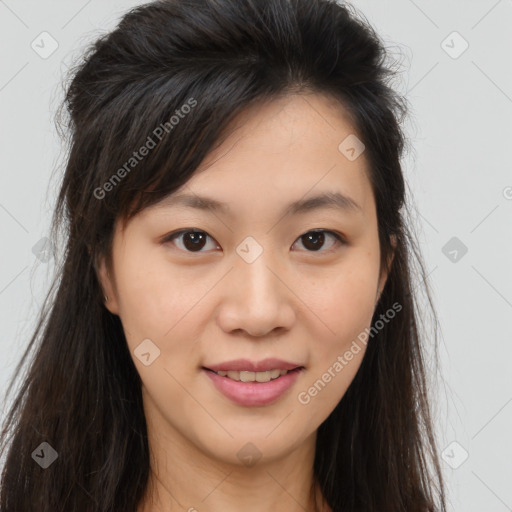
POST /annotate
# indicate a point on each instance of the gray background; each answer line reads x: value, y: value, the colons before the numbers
x: 458, y: 169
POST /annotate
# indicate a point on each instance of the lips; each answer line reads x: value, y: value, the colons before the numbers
x: 245, y: 365
x: 250, y: 384
x: 253, y: 394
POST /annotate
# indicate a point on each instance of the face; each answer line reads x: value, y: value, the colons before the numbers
x: 253, y: 279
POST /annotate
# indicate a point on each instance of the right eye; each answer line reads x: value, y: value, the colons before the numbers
x: 193, y: 241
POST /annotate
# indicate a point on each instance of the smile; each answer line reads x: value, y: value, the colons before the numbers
x: 247, y: 376
x: 253, y: 389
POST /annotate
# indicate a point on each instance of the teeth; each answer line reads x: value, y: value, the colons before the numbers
x: 253, y: 376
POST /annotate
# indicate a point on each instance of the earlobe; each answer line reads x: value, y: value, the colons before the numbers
x: 385, y: 272
x: 106, y: 283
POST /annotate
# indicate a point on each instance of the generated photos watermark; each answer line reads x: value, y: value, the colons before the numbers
x: 145, y: 149
x: 304, y: 397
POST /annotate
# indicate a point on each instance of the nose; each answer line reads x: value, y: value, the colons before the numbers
x: 257, y: 299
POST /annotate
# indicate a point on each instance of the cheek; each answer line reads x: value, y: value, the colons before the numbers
x: 344, y: 305
x: 161, y: 305
x: 153, y: 296
x: 145, y: 298
x: 344, y: 301
x: 168, y: 306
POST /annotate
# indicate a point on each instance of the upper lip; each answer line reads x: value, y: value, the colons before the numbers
x: 252, y: 366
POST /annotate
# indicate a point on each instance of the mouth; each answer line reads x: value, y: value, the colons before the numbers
x: 253, y: 384
x: 249, y: 376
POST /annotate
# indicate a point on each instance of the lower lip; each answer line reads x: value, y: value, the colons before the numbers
x: 253, y: 394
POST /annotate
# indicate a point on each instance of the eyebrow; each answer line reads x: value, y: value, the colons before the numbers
x: 325, y: 200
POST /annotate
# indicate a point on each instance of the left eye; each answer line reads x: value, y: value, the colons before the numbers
x: 195, y: 239
x: 316, y: 238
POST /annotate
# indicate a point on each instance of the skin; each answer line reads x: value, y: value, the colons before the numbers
x: 211, y: 306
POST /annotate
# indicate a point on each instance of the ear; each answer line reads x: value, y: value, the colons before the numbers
x: 385, y: 271
x: 107, y: 284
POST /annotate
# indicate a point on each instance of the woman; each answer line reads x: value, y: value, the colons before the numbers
x: 234, y: 326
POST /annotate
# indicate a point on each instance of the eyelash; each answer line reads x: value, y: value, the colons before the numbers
x: 171, y: 236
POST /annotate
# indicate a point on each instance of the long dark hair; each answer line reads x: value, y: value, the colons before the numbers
x: 81, y: 393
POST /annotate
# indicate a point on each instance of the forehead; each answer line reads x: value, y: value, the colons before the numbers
x: 281, y: 152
